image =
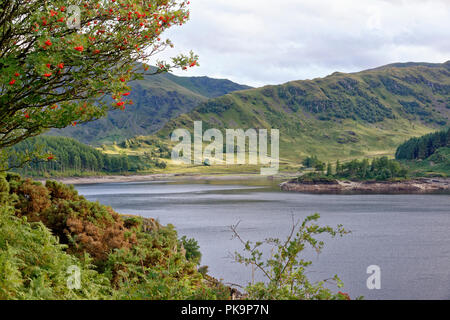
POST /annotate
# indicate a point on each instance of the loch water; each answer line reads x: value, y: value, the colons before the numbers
x: 407, y: 236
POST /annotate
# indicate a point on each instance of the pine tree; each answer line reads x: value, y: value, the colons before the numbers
x: 329, y: 169
x: 338, y: 167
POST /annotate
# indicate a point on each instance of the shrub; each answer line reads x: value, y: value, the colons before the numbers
x: 192, y: 249
x: 119, y: 257
x: 33, y: 265
x: 157, y: 269
x: 285, y: 270
x: 86, y: 227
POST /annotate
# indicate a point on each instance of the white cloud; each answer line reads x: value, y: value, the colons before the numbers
x: 261, y: 42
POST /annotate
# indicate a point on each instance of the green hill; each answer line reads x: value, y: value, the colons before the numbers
x: 157, y: 99
x: 369, y: 113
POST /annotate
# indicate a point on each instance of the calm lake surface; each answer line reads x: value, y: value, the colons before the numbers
x: 408, y: 236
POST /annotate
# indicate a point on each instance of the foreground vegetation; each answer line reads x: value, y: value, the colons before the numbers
x: 285, y: 269
x: 59, y: 72
x: 47, y: 231
x: 44, y: 230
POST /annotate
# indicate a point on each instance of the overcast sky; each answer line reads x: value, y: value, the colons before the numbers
x: 258, y: 42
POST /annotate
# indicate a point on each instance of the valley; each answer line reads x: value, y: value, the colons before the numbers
x: 343, y: 117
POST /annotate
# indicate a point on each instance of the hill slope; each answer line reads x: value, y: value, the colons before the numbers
x: 342, y: 116
x: 157, y: 99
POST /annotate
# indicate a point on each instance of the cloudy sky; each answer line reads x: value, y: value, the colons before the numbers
x: 258, y: 42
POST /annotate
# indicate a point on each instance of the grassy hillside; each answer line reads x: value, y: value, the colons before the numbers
x: 342, y: 116
x: 157, y: 99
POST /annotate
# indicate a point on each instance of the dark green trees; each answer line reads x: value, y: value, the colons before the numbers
x: 69, y: 155
x: 377, y: 169
x: 423, y: 147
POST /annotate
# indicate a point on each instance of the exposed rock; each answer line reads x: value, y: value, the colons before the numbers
x: 407, y: 186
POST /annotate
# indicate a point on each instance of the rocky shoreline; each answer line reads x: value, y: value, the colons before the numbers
x: 422, y: 185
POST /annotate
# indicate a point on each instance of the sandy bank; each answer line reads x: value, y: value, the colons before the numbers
x: 161, y: 177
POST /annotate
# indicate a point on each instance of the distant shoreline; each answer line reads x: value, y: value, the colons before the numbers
x: 413, y: 186
x: 162, y: 177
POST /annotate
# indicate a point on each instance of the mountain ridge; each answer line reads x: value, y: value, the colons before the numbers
x: 343, y: 115
x: 156, y: 99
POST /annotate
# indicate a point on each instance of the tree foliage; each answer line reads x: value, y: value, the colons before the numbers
x: 313, y: 162
x: 285, y: 269
x: 33, y: 264
x: 55, y: 73
x: 377, y: 169
x: 423, y: 147
x: 192, y: 249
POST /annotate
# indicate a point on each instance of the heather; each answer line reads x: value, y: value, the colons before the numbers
x: 46, y: 229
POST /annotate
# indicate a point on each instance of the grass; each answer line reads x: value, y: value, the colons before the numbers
x: 375, y: 142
